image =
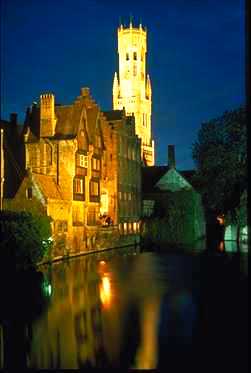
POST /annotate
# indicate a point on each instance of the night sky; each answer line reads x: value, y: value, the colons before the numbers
x: 196, y: 59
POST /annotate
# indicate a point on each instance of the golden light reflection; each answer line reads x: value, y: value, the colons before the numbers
x: 221, y: 246
x: 105, y: 291
x: 220, y: 219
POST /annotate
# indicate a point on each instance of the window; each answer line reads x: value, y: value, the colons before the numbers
x: 77, y: 215
x: 94, y: 188
x: 61, y: 226
x: 83, y: 160
x: 91, y: 216
x: 133, y: 154
x: 148, y: 207
x: 125, y: 228
x: 134, y: 70
x: 135, y: 56
x: 29, y: 193
x: 127, y: 56
x: 79, y: 186
x: 95, y: 164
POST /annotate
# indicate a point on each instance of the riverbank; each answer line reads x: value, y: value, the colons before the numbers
x: 134, y: 245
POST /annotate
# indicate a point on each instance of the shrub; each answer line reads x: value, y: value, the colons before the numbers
x: 25, y: 239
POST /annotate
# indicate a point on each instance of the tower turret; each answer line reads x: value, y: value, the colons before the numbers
x: 131, y: 89
x: 148, y: 88
x: 115, y: 89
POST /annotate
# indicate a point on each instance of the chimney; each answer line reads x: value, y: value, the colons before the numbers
x: 47, y: 115
x: 13, y: 118
x: 171, y: 156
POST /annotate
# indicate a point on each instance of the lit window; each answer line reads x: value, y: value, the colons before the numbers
x: 120, y: 195
x: 125, y: 228
x: 29, y: 193
x: 79, y: 186
x: 94, y: 185
x: 83, y: 161
x: 129, y: 196
x: 96, y: 164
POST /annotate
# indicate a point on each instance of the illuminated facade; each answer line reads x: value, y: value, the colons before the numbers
x: 132, y: 88
x: 77, y: 175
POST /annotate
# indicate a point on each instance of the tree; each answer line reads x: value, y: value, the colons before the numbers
x: 25, y: 239
x: 220, y: 154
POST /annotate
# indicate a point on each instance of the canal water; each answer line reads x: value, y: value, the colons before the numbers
x: 130, y: 309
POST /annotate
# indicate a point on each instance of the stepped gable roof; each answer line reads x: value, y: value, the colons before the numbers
x: 65, y: 125
x: 151, y: 175
x: 114, y: 114
x: 48, y: 186
x: 92, y: 115
x: 69, y: 117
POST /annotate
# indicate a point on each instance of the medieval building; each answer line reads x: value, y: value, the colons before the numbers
x: 77, y: 174
x: 172, y: 209
x: 132, y: 86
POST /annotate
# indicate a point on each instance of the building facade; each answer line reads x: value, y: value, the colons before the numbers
x: 72, y: 164
x: 132, y: 86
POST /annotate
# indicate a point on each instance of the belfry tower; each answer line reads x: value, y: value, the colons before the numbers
x: 132, y: 88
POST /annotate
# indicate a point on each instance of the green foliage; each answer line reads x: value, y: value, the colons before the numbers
x: 178, y: 219
x: 220, y: 154
x: 25, y: 238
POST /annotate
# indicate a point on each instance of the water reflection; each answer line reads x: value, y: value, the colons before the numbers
x: 130, y: 311
x: 23, y: 300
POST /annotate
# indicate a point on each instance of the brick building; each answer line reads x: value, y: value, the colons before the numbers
x: 77, y: 172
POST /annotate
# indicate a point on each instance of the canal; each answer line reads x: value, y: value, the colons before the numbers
x: 130, y: 309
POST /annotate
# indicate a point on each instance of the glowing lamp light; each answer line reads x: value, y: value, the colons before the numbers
x: 102, y: 262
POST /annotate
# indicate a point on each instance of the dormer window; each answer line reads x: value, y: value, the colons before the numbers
x: 83, y: 160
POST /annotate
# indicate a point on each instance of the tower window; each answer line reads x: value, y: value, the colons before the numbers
x: 134, y: 70
x: 127, y: 56
x: 135, y: 56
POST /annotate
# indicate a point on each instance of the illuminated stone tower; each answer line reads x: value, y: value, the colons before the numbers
x: 132, y: 88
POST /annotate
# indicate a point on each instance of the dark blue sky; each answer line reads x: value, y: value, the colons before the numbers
x: 196, y: 59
